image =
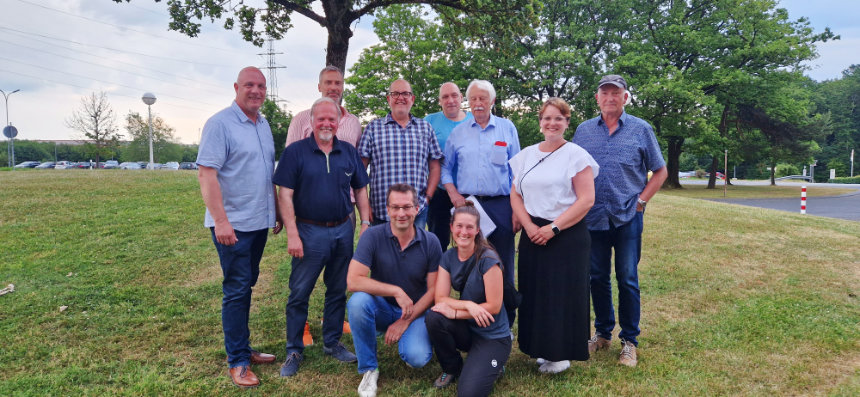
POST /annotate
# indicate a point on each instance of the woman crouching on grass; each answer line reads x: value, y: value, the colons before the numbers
x: 475, y: 323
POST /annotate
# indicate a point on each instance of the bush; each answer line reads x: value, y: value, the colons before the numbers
x: 783, y: 169
x: 846, y: 179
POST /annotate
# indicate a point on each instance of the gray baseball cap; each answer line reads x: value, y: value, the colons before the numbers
x: 613, y: 79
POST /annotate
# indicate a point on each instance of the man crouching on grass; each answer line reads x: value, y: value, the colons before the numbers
x: 237, y: 159
x: 392, y: 276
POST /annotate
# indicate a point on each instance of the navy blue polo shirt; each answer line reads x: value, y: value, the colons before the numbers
x: 379, y: 250
x: 625, y: 157
x: 321, y: 183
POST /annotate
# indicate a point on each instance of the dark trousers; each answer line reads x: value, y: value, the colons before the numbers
x: 328, y: 248
x: 240, y: 266
x: 498, y: 208
x: 485, y: 359
x: 439, y: 217
x: 626, y: 242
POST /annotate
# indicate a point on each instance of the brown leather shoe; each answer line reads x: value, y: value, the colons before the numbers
x: 243, y: 377
x: 261, y: 358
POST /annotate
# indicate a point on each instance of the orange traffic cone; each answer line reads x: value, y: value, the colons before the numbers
x: 307, y: 338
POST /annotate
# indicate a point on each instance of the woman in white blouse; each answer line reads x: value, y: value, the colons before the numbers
x: 553, y: 190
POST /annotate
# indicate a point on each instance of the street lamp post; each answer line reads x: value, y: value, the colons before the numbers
x: 11, y: 145
x: 149, y: 99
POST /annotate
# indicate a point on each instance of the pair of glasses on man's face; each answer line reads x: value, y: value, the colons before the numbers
x: 397, y: 208
x: 399, y: 94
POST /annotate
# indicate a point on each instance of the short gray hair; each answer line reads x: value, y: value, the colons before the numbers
x: 483, y: 85
x: 330, y: 68
x: 326, y: 99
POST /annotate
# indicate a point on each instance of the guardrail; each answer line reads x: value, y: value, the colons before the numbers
x: 803, y: 177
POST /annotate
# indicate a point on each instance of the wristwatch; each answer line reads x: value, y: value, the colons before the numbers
x: 641, y: 202
x: 555, y: 229
x: 365, y: 223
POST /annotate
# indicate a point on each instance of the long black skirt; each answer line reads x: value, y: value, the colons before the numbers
x: 555, y: 317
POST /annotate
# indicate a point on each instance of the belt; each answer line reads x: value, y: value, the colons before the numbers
x: 326, y: 224
x: 485, y: 198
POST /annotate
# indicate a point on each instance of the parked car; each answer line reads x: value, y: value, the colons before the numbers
x: 187, y: 165
x: 130, y: 165
x: 170, y: 165
x: 62, y: 165
x: 28, y: 164
x: 47, y: 164
x: 85, y: 165
x: 110, y: 165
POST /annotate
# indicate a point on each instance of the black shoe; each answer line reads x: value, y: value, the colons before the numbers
x: 291, y: 366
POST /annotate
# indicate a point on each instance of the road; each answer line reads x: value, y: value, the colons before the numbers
x: 846, y: 206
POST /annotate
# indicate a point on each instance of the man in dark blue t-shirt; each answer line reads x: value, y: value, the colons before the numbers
x: 316, y: 175
x: 392, y: 277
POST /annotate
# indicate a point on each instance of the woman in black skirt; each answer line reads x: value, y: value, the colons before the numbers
x: 553, y: 190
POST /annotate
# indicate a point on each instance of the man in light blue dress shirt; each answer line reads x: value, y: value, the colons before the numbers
x: 476, y: 163
x: 237, y: 159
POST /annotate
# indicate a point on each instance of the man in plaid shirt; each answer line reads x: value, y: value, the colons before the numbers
x: 400, y: 148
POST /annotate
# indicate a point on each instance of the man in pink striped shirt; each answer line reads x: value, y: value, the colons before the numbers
x: 330, y: 85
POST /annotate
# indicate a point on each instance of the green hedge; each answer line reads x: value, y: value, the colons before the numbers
x: 855, y: 179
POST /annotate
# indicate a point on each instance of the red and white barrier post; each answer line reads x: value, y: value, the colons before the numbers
x: 803, y: 199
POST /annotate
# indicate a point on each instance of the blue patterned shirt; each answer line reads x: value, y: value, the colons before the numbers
x: 244, y: 155
x: 625, y: 157
x: 398, y: 155
x: 477, y: 158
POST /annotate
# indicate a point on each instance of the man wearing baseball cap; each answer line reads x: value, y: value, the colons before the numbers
x: 625, y: 148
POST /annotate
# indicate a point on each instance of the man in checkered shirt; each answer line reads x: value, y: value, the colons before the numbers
x: 400, y: 148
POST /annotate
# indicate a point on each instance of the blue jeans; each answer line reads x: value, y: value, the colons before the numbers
x: 240, y: 266
x: 324, y: 247
x: 627, y: 242
x: 371, y: 315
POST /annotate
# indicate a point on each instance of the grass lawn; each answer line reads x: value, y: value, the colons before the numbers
x: 736, y: 301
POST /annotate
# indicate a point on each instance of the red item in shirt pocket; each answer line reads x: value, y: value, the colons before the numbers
x: 501, y: 143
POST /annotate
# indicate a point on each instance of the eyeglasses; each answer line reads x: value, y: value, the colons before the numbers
x: 396, y: 208
x: 398, y: 94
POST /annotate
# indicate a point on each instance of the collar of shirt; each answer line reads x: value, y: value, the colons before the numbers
x: 335, y: 145
x: 491, y: 123
x: 241, y: 115
x: 621, y: 120
x: 415, y: 240
x: 389, y: 119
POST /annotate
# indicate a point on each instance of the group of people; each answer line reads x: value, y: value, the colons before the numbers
x: 464, y: 177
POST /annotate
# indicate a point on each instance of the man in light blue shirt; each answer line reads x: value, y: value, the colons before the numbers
x: 476, y: 163
x: 439, y: 214
x: 237, y: 159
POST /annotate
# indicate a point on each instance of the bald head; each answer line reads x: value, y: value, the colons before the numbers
x: 450, y: 100
x: 250, y: 89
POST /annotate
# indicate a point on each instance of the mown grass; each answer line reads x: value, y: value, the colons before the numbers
x: 736, y: 301
x: 754, y: 191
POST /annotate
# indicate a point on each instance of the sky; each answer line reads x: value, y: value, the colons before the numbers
x: 58, y: 51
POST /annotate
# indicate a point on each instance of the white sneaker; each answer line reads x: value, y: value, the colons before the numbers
x: 554, y: 367
x: 540, y: 361
x: 367, y: 388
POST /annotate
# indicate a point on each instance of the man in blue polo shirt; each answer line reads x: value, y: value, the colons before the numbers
x: 452, y: 115
x: 392, y: 277
x: 236, y: 159
x: 625, y: 148
x: 316, y: 175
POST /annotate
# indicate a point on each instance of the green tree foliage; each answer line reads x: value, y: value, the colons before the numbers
x: 274, y: 18
x: 164, y: 145
x: 279, y: 120
x: 96, y: 121
x: 839, y: 101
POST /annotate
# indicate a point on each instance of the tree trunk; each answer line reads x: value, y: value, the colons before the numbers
x: 712, y: 180
x: 673, y: 163
x: 339, y: 18
x: 773, y: 173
